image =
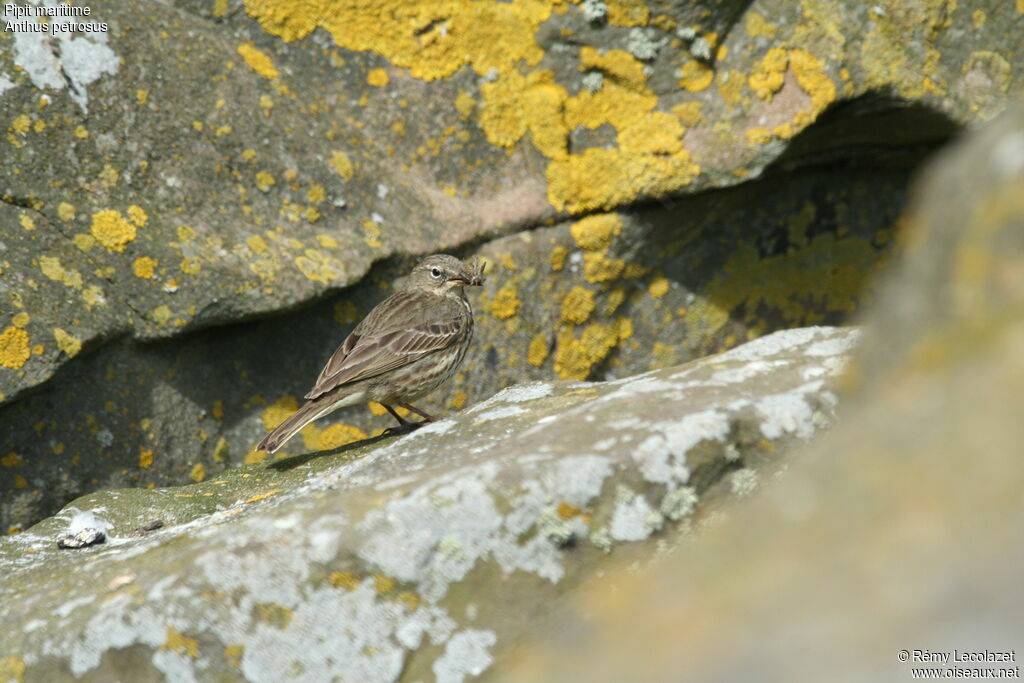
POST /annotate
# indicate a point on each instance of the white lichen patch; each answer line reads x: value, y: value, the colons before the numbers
x: 788, y: 413
x: 351, y: 568
x: 521, y: 393
x: 679, y: 503
x: 466, y: 654
x: 60, y: 59
x: 742, y: 482
x: 634, y: 519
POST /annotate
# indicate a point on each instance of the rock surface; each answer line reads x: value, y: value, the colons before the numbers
x: 233, y: 160
x: 900, y: 528
x: 402, y: 558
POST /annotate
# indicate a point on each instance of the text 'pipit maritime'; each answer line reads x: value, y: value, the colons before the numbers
x: 410, y: 344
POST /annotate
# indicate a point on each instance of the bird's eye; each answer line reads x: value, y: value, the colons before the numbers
x: 435, y: 272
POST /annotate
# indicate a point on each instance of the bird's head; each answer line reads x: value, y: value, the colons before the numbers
x: 446, y: 275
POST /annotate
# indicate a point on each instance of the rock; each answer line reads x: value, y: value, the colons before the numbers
x: 404, y: 557
x: 753, y: 155
x: 899, y: 529
x: 82, y: 539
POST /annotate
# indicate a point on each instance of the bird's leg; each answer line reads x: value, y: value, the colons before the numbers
x: 426, y: 417
x: 404, y: 426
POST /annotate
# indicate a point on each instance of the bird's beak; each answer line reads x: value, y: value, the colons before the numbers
x: 468, y: 280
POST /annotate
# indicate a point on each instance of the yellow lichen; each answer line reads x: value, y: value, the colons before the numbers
x: 575, y: 358
x: 262, y: 496
x: 409, y: 599
x: 695, y: 76
x: 198, y: 472
x: 758, y: 135
x: 558, y: 254
x: 334, y: 436
x: 137, y: 216
x: 627, y: 12
x: 27, y: 222
x: 12, y: 459
x: 176, y: 641
x: 161, y: 314
x: 759, y: 27
x: 770, y: 73
x: 341, y: 165
x: 21, y: 123
x: 598, y: 267
x: 577, y: 306
x: 383, y: 584
x: 377, y: 77
x: 65, y: 211
x: 83, y: 241
x: 233, y: 653
x: 505, y: 303
x: 278, y: 411
x: 689, y: 113
x: 14, y: 348
x: 433, y: 40
x: 257, y: 60
x: 144, y: 267
x: 663, y: 355
x: 604, y: 178
x: 112, y: 230
x: 624, y: 98
x: 52, y: 268
x: 21, y: 319
x: 257, y: 244
x: 538, y: 351
x: 145, y: 459
x: 372, y: 237
x: 596, y: 231
x: 346, y: 580
x: 254, y: 457
x: 12, y: 668
x: 459, y: 399
x: 515, y: 105
x: 264, y: 181
x: 142, y: 97
x: 659, y: 287
x: 464, y: 104
x: 318, y: 266
x: 220, y: 449
x: 315, y: 195
x: 66, y: 343
x: 567, y: 510
x: 810, y: 75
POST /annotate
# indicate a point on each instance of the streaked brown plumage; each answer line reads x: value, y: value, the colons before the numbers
x: 406, y: 347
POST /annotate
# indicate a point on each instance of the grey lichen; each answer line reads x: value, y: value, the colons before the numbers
x: 701, y: 48
x: 644, y: 44
x: 742, y: 482
x: 679, y: 503
x: 593, y: 81
x: 594, y: 11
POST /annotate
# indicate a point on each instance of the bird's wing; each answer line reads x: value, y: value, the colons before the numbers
x: 395, y: 333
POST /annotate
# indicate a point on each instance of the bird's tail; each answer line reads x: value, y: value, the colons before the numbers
x: 290, y: 427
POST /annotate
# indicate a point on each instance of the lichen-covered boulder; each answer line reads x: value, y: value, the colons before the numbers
x: 893, y: 539
x: 400, y: 558
x: 652, y: 183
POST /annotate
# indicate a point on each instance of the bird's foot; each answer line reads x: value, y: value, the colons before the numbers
x: 404, y: 428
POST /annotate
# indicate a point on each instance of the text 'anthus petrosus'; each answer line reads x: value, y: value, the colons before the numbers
x: 409, y: 345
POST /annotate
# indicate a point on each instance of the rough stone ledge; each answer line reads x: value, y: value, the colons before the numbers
x: 396, y: 557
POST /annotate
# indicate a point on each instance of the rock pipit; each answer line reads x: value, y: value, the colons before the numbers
x: 410, y: 344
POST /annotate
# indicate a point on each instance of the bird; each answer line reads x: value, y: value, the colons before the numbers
x: 410, y: 344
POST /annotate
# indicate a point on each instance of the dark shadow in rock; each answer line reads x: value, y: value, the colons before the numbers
x: 293, y: 461
x: 799, y: 245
